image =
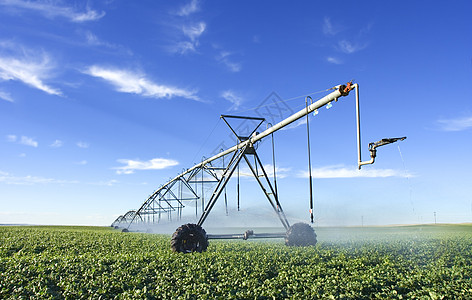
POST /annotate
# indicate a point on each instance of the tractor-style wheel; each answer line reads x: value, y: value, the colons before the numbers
x: 300, y: 234
x: 189, y: 238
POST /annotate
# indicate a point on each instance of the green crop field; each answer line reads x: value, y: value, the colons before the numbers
x: 409, y: 262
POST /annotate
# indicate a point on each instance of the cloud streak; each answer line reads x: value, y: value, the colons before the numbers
x: 6, y: 96
x: 458, y: 124
x: 232, y: 97
x: 23, y: 140
x: 224, y: 58
x: 57, y: 144
x: 93, y: 40
x: 269, y: 168
x: 126, y: 81
x: 345, y: 46
x: 7, y: 178
x: 11, y: 138
x: 153, y: 164
x: 82, y: 145
x: 334, y: 60
x: 349, y: 47
x: 328, y: 27
x: 183, y: 47
x: 194, y: 31
x: 50, y: 10
x: 352, y: 172
x: 32, y: 68
x: 189, y: 8
x: 27, y: 141
x: 186, y: 38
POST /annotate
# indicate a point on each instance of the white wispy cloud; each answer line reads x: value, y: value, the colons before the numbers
x: 7, y: 178
x: 194, y: 31
x: 110, y: 182
x: 52, y: 9
x: 93, y: 40
x: 269, y: 168
x: 126, y: 81
x: 329, y: 28
x: 6, y: 96
x: 188, y: 38
x: 27, y: 141
x: 457, y: 124
x: 82, y: 145
x: 182, y: 47
x: 57, y: 144
x: 349, y: 47
x: 82, y: 163
x: 279, y: 171
x: 340, y: 171
x: 11, y: 138
x: 224, y: 58
x: 153, y: 164
x: 32, y: 68
x: 23, y: 140
x: 189, y: 8
x: 295, y: 124
x: 89, y: 15
x: 334, y: 60
x: 231, y: 96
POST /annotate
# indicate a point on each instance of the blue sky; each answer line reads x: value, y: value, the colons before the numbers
x: 103, y: 101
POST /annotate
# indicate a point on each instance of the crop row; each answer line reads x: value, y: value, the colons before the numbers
x: 93, y: 263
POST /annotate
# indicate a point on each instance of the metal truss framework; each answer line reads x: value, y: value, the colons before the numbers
x: 169, y: 200
x: 213, y: 174
x: 128, y: 218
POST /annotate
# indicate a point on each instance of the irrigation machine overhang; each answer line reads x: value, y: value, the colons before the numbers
x: 168, y: 200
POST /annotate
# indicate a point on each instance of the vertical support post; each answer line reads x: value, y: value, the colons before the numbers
x: 358, y: 127
x: 309, y: 158
x: 203, y: 195
x: 226, y: 197
x: 196, y: 199
x: 180, y: 195
x: 273, y: 165
x: 238, y: 187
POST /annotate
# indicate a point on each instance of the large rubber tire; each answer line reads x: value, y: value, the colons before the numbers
x: 300, y: 234
x: 189, y: 238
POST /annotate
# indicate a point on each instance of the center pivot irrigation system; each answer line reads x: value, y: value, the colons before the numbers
x: 190, y: 188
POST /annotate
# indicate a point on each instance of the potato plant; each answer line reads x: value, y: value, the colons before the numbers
x: 423, y: 262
